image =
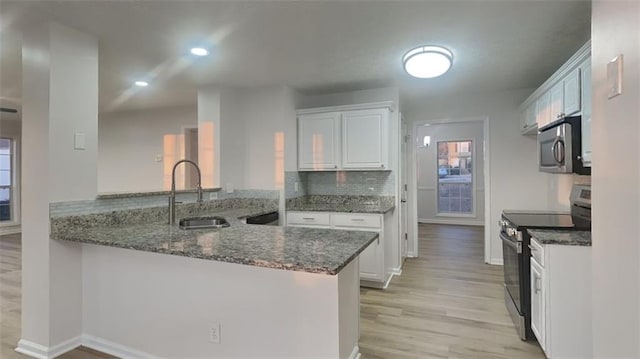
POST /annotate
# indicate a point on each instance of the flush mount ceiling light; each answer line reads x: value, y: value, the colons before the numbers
x: 199, y: 51
x: 426, y: 62
x: 141, y: 83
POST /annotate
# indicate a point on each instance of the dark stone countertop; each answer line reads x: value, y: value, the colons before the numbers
x: 299, y: 249
x: 567, y: 238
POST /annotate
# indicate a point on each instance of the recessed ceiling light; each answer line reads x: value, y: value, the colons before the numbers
x: 426, y: 62
x: 200, y: 51
x: 141, y: 83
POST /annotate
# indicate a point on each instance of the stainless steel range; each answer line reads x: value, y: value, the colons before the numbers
x: 517, y: 253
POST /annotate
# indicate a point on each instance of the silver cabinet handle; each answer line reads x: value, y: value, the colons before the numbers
x: 308, y: 218
x: 357, y: 219
x: 536, y: 288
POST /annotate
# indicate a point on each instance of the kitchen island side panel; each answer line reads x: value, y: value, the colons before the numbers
x: 165, y: 306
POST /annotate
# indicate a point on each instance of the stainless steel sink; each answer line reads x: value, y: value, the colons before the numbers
x: 203, y: 222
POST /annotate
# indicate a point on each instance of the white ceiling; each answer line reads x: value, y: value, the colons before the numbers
x: 314, y: 47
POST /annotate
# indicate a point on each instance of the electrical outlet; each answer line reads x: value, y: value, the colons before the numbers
x: 214, y: 333
x: 296, y: 187
x: 158, y: 158
x: 229, y: 187
x: 213, y: 195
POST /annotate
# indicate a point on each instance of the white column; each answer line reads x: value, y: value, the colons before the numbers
x: 209, y: 136
x: 60, y: 102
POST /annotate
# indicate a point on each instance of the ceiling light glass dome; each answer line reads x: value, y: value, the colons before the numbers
x: 426, y: 62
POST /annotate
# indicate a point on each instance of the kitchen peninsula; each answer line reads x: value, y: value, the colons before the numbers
x: 154, y: 290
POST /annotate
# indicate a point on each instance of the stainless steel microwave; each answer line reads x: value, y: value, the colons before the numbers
x: 560, y: 147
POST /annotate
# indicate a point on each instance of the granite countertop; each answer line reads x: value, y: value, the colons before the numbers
x: 568, y: 238
x: 347, y: 204
x: 151, y: 193
x: 299, y: 249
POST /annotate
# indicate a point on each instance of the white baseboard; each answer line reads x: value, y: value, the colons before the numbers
x: 396, y: 271
x: 496, y: 261
x: 457, y: 222
x: 38, y: 351
x: 112, y: 348
x: 412, y: 254
x: 355, y: 354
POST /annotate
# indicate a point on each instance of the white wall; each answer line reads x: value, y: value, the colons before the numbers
x: 258, y: 134
x: 515, y: 182
x: 129, y: 143
x: 427, y: 168
x: 270, y: 136
x: 616, y: 192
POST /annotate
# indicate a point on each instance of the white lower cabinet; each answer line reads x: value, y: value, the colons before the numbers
x: 537, y: 302
x: 372, y: 263
x: 561, y: 299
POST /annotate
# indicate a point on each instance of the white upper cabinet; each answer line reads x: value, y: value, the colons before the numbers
x: 571, y: 85
x: 566, y: 93
x: 556, y: 104
x: 350, y: 138
x: 585, y: 74
x: 318, y: 141
x: 543, y: 109
x: 529, y: 124
x: 365, y: 139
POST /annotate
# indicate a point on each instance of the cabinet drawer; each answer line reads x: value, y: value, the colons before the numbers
x: 537, y: 251
x: 308, y: 218
x: 357, y: 220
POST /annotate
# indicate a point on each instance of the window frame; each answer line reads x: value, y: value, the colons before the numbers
x: 15, y: 182
x: 474, y: 204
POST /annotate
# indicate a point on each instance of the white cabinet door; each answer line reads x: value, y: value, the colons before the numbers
x: 529, y: 124
x: 572, y: 93
x: 318, y: 141
x: 372, y: 263
x: 543, y: 109
x: 585, y: 71
x: 538, y: 303
x: 365, y: 139
x: 557, y: 101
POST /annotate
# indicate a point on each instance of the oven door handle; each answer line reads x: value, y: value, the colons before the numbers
x: 513, y: 244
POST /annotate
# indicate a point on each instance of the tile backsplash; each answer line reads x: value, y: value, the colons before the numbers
x: 356, y: 183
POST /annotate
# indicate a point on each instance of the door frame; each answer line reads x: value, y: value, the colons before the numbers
x: 413, y: 179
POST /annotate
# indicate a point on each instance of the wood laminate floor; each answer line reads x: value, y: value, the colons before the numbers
x: 446, y: 304
x: 10, y: 297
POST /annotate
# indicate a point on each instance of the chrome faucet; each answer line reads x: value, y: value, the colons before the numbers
x: 172, y: 195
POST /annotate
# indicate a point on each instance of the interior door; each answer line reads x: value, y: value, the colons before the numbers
x: 404, y: 218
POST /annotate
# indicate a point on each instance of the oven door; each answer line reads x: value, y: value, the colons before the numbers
x: 512, y: 255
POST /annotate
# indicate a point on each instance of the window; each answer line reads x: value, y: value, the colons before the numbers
x: 6, y: 179
x: 455, y: 177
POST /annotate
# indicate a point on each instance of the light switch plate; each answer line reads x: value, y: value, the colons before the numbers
x: 158, y: 158
x: 614, y: 76
x: 79, y: 141
x: 229, y: 187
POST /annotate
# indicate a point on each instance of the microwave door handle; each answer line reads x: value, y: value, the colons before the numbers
x: 561, y: 151
x: 558, y: 154
x: 558, y: 151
